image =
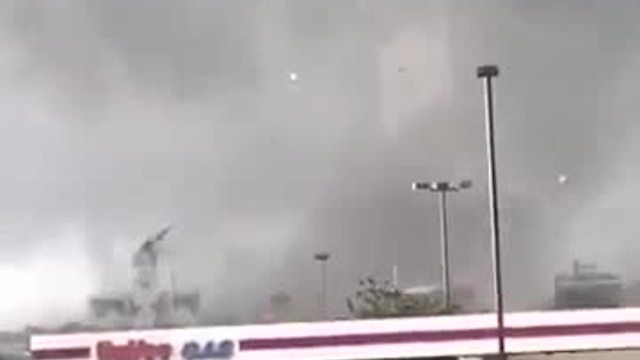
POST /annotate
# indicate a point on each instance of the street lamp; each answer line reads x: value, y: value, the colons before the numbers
x: 322, y: 258
x: 443, y: 187
x: 487, y: 73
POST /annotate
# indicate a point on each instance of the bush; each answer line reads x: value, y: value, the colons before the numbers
x: 376, y: 299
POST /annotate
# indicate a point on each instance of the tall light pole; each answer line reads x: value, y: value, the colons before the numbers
x: 487, y: 73
x: 443, y: 187
x: 322, y: 258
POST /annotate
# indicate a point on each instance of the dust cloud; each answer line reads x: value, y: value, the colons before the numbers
x: 120, y: 117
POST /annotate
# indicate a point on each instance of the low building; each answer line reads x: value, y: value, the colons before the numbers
x: 116, y: 311
x: 587, y: 287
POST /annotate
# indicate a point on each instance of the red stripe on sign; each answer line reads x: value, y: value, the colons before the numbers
x: 70, y: 353
x: 575, y: 330
x: 366, y: 339
x: 437, y: 336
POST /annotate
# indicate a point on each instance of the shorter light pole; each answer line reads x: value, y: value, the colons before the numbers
x: 443, y: 187
x: 322, y: 258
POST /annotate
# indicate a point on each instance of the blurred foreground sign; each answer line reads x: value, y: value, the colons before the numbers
x: 459, y: 335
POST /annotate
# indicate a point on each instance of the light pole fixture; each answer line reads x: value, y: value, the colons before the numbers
x: 322, y: 258
x: 487, y: 73
x: 443, y: 187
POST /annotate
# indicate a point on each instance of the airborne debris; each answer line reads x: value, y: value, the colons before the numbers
x: 562, y: 179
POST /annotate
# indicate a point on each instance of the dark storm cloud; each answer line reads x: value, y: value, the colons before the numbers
x: 123, y: 116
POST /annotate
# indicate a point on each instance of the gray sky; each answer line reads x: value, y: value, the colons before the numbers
x: 119, y: 117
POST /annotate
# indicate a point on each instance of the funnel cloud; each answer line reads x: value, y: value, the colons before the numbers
x: 266, y: 131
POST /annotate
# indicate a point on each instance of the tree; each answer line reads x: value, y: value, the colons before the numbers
x: 375, y: 299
